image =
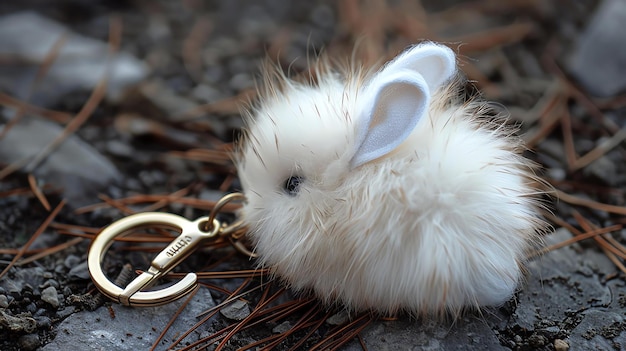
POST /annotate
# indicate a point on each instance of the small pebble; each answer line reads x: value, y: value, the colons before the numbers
x: 537, y: 340
x: 65, y: 312
x: 43, y: 322
x: 29, y: 342
x: 604, y: 170
x: 60, y: 269
x: 556, y: 173
x: 17, y: 324
x: 240, y: 81
x: 49, y: 282
x: 119, y: 149
x: 40, y: 312
x: 50, y: 296
x: 561, y: 345
x: 237, y: 310
x: 282, y: 327
x: 4, y: 301
x: 71, y: 261
x: 338, y: 318
x: 80, y: 271
x: 31, y: 307
x: 323, y: 16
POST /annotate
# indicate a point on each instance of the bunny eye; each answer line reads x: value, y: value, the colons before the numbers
x: 292, y: 185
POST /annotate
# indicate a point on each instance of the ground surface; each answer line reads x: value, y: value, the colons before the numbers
x: 164, y: 123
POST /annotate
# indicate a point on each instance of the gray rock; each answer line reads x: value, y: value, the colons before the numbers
x: 23, y: 277
x: 164, y: 99
x: 558, y: 290
x: 131, y: 328
x: 22, y: 323
x: 237, y: 310
x: 29, y: 342
x: 469, y: 333
x: 4, y: 301
x: 50, y: 296
x: 603, y: 169
x: 588, y: 334
x: 71, y: 261
x: 561, y: 284
x: 338, y: 318
x: 28, y: 37
x: 600, y: 54
x: 80, y: 271
x: 50, y: 282
x: 561, y: 345
x: 205, y: 93
x: 119, y: 149
x: 76, y: 167
x: 282, y: 327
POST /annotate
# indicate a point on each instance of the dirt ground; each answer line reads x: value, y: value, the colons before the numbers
x: 76, y: 155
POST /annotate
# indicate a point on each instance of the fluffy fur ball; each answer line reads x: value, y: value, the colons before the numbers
x: 438, y: 217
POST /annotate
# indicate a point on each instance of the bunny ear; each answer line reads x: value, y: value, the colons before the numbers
x: 397, y: 97
x: 436, y: 63
x: 395, y: 103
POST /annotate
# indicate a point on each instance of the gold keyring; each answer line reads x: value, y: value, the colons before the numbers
x: 218, y: 207
x: 191, y: 234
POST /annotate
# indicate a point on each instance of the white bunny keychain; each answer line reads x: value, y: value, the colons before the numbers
x: 385, y: 191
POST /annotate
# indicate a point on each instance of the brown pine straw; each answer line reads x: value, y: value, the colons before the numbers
x: 38, y: 232
x: 192, y: 47
x: 149, y: 198
x: 344, y: 333
x: 599, y: 150
x: 15, y: 192
x: 208, y: 314
x: 49, y: 251
x: 174, y: 317
x: 612, y: 252
x: 38, y: 193
x: 55, y: 116
x: 493, y: 37
x: 303, y: 323
x: 248, y: 318
x: 574, y: 200
x: 579, y: 237
x: 219, y: 157
x: 550, y: 116
x: 244, y: 273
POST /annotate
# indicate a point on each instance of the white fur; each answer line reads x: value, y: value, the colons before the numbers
x: 442, y: 222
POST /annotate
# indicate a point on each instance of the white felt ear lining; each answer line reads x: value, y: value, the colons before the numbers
x: 394, y: 105
x: 436, y: 63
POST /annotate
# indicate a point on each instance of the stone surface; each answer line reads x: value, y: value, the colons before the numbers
x: 237, y: 310
x: 79, y: 271
x: 22, y: 323
x: 600, y: 55
x: 29, y: 342
x: 81, y: 63
x: 75, y: 166
x: 561, y: 301
x: 124, y: 328
x: 49, y: 295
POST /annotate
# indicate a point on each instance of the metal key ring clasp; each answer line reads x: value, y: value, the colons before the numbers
x: 192, y: 233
